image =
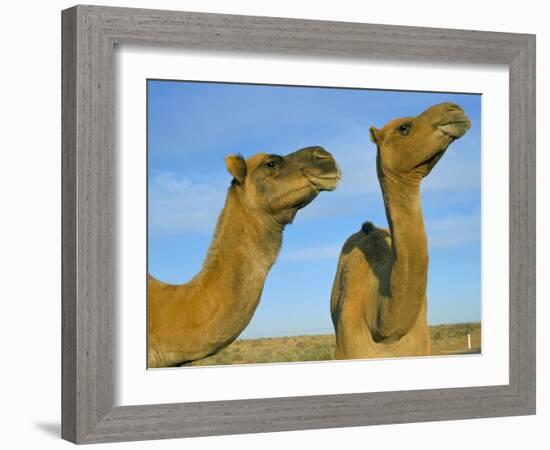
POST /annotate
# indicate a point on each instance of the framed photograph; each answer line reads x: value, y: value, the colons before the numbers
x: 187, y: 194
x: 256, y: 209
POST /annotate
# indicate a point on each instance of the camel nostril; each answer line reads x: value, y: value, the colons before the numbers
x: 453, y: 107
x: 319, y: 153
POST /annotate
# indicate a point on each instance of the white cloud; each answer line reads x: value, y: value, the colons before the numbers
x: 450, y: 231
x: 453, y: 231
x: 457, y: 175
x: 458, y: 170
x: 179, y: 205
x: 312, y: 253
x: 455, y: 172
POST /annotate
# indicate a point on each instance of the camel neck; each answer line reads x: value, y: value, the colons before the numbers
x: 404, y: 213
x: 243, y: 236
x: 245, y: 246
x: 409, y: 262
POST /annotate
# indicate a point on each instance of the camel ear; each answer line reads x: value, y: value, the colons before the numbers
x: 236, y: 165
x: 374, y: 135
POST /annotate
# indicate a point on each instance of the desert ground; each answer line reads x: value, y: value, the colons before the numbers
x: 449, y: 339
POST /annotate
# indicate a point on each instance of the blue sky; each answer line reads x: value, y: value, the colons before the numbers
x: 192, y: 125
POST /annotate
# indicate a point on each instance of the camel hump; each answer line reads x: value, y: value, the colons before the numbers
x: 367, y: 227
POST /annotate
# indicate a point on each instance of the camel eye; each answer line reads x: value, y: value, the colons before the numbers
x: 404, y: 129
x: 271, y: 163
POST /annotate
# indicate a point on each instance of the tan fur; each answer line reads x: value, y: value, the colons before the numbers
x: 378, y: 303
x: 197, y: 319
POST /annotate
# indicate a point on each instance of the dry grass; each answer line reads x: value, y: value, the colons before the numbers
x: 453, y: 339
x: 446, y: 340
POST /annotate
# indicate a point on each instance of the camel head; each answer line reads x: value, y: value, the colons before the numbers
x: 412, y: 146
x: 279, y: 186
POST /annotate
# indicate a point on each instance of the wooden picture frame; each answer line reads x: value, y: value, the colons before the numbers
x: 89, y: 35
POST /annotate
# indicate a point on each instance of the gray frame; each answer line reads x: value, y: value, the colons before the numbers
x: 89, y: 34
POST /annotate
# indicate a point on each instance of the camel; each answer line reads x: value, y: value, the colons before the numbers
x: 199, y: 318
x: 378, y: 301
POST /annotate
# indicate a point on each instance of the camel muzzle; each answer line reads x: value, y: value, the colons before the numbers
x: 449, y: 118
x: 319, y: 166
x: 455, y: 129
